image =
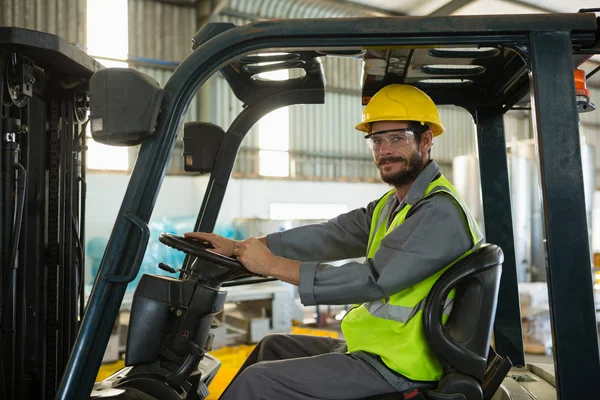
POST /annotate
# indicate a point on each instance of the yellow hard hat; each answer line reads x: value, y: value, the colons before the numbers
x: 400, y: 102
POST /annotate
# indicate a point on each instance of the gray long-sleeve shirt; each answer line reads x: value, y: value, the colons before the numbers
x: 434, y: 234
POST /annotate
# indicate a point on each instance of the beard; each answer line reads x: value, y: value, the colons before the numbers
x: 413, y: 166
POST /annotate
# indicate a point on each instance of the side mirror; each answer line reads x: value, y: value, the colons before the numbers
x: 124, y: 106
x: 201, y: 144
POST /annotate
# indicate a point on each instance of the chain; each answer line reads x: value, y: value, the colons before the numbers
x: 52, y: 266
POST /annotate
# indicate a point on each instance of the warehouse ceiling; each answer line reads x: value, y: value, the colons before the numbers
x: 480, y: 7
x: 470, y: 7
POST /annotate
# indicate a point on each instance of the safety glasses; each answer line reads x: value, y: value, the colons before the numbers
x: 395, y: 138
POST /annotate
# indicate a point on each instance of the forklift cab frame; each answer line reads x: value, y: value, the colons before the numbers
x: 531, y: 64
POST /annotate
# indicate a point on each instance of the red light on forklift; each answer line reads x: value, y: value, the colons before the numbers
x: 582, y: 93
x: 580, y: 84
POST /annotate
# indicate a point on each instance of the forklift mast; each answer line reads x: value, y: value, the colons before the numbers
x: 43, y: 106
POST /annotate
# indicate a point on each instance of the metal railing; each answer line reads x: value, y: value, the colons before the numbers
x: 311, y: 166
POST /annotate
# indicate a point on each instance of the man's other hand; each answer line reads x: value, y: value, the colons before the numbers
x: 221, y: 244
x: 255, y: 256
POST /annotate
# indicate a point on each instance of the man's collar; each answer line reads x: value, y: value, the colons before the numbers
x: 419, y: 186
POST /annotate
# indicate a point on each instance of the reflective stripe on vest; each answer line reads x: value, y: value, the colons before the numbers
x: 402, y: 314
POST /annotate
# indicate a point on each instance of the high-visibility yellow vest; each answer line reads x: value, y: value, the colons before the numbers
x: 392, y: 328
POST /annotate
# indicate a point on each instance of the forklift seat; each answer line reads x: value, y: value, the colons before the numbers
x: 472, y: 370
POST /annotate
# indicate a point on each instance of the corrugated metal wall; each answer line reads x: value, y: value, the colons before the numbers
x: 160, y: 31
x: 343, y: 73
x: 65, y: 18
x: 272, y: 9
x: 323, y: 141
x: 459, y: 137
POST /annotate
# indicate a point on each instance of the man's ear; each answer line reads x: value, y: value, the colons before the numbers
x: 426, y: 140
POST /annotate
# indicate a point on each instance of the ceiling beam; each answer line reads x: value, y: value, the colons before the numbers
x: 367, y: 7
x: 454, y: 5
x: 356, y: 5
x: 450, y: 7
x: 533, y: 6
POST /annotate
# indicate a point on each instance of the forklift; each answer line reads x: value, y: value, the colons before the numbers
x: 488, y: 65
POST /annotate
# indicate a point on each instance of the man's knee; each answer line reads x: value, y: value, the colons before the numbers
x: 253, y: 383
x: 272, y: 342
x: 273, y: 339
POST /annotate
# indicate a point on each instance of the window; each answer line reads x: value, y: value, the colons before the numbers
x: 107, y: 29
x: 281, y: 211
x: 103, y: 157
x: 273, y: 163
x: 274, y: 136
x: 107, y: 41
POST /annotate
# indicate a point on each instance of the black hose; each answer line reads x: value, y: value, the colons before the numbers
x: 79, y: 141
x: 83, y: 199
x: 79, y: 145
x: 81, y: 270
x: 22, y: 185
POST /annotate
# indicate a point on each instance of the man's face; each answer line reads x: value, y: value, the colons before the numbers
x: 397, y: 155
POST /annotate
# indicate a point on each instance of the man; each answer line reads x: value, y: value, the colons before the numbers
x: 410, y: 236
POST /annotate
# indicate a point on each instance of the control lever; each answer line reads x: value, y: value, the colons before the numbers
x: 168, y: 268
x: 177, y: 378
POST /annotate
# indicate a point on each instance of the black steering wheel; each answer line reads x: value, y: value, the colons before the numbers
x: 199, y: 249
x: 223, y: 268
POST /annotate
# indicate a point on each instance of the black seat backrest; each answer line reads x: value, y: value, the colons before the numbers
x: 462, y: 344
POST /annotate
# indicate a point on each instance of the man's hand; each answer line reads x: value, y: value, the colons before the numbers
x: 255, y: 256
x: 221, y: 245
